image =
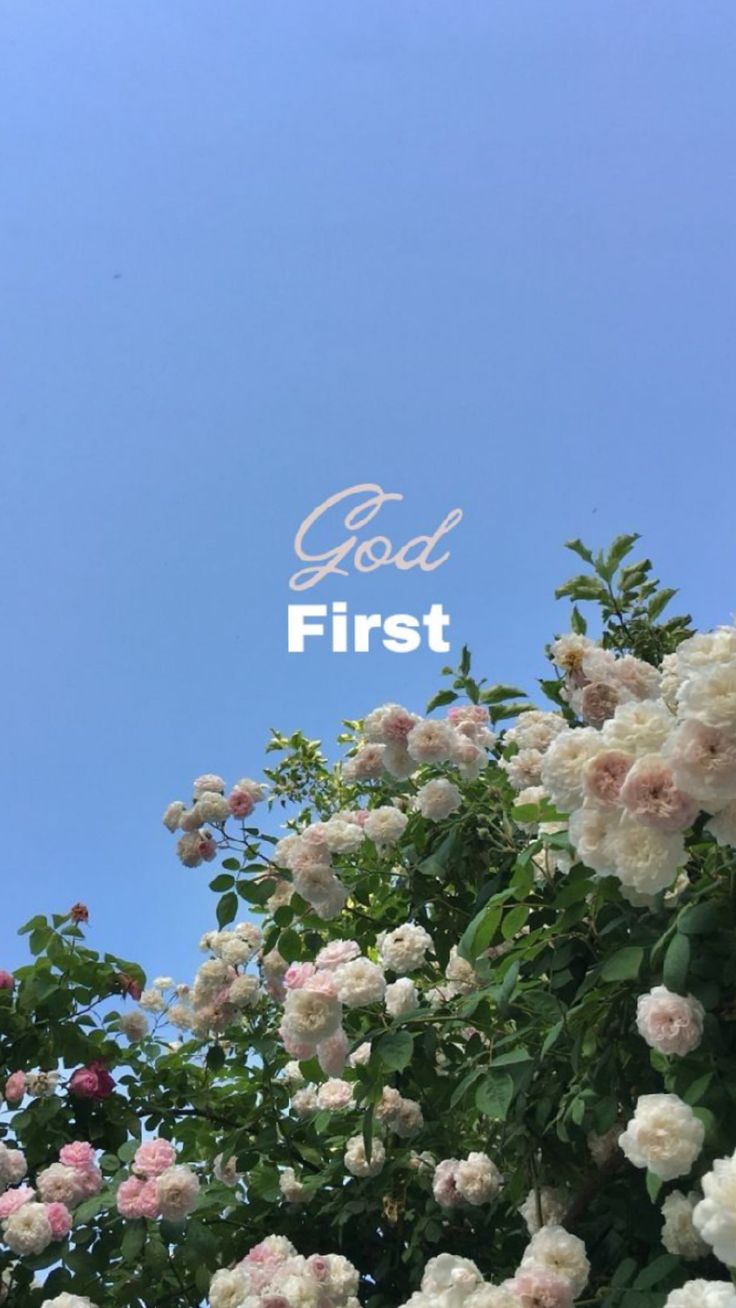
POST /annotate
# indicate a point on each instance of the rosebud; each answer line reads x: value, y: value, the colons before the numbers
x: 7, y: 980
x: 79, y: 913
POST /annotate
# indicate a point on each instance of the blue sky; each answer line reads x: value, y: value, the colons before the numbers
x: 480, y: 254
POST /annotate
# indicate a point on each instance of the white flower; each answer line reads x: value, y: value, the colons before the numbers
x: 335, y: 1094
x: 535, y: 729
x: 304, y: 1102
x: 640, y: 727
x: 134, y: 1025
x: 172, y: 815
x: 310, y: 1016
x: 28, y: 1230
x: 401, y: 997
x: 385, y: 825
x: 671, y: 1023
x: 343, y: 837
x: 12, y: 1166
x: 702, y: 1294
x: 664, y: 1135
x: 710, y: 696
x: 404, y: 1116
x: 226, y: 1170
x: 41, y: 1085
x: 59, y: 1184
x: 356, y: 1160
x: 293, y: 1190
x: 66, y: 1300
x: 723, y: 826
x: 556, y: 1250
x: 359, y: 983
x: 523, y: 769
x: 679, y: 1235
x: 643, y: 859
x: 431, y: 742
x: 460, y: 973
x: 177, y: 1189
x: 244, y: 992
x: 228, y: 1289
x: 152, y: 1001
x: 437, y: 799
x: 404, y: 949
x: 212, y: 807
x: 477, y: 1179
x: 715, y: 1216
x: 553, y: 1202
x: 563, y: 766
x: 703, y: 761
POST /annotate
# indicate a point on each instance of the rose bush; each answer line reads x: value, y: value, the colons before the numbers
x: 472, y: 1042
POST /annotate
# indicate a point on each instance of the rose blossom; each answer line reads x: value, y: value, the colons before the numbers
x: 15, y: 1087
x: 138, y: 1198
x: 153, y: 1157
x: 12, y: 1200
x: 91, y: 1082
x: 59, y: 1219
x: 7, y: 980
x: 535, y: 1287
x: 604, y: 775
x: 664, y: 1135
x: 650, y: 795
x: 177, y: 1189
x: 670, y: 1023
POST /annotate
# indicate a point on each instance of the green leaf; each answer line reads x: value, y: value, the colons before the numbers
x: 656, y: 1271
x: 701, y: 920
x: 659, y: 603
x: 222, y: 882
x: 232, y: 864
x: 576, y: 545
x: 621, y: 546
x: 494, y: 1095
x: 134, y: 1238
x: 676, y: 963
x: 577, y: 621
x: 624, y: 965
x: 500, y: 693
x: 395, y: 1049
x: 514, y: 920
x: 227, y: 908
x: 440, y: 699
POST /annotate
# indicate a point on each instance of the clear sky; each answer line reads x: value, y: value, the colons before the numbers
x: 481, y: 253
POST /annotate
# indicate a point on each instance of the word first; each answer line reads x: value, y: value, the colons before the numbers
x: 401, y: 633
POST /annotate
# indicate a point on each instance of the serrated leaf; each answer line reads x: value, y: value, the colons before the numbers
x: 395, y: 1049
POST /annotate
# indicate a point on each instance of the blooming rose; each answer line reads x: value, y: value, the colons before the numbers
x: 177, y: 1189
x: 702, y: 1294
x: 556, y: 1250
x: 679, y: 1235
x: 91, y: 1082
x: 714, y: 1217
x: 15, y: 1087
x: 153, y: 1157
x: 356, y: 1159
x: 664, y: 1135
x: 671, y: 1023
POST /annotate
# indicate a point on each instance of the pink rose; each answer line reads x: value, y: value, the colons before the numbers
x: 650, y: 795
x: 604, y: 776
x: 92, y: 1082
x: 78, y: 1154
x: 297, y: 974
x: 321, y: 983
x: 59, y: 1219
x: 89, y: 1180
x: 293, y: 1048
x: 153, y: 1157
x: 137, y: 1198
x: 240, y: 803
x: 7, y: 980
x: 12, y: 1200
x: 15, y: 1087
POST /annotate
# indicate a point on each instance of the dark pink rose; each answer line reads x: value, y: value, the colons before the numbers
x: 7, y: 980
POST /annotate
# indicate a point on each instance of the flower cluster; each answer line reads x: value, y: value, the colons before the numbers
x: 658, y: 748
x: 273, y: 1273
x: 33, y: 1217
x: 209, y: 807
x: 553, y: 1271
x: 397, y: 742
x: 158, y: 1185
